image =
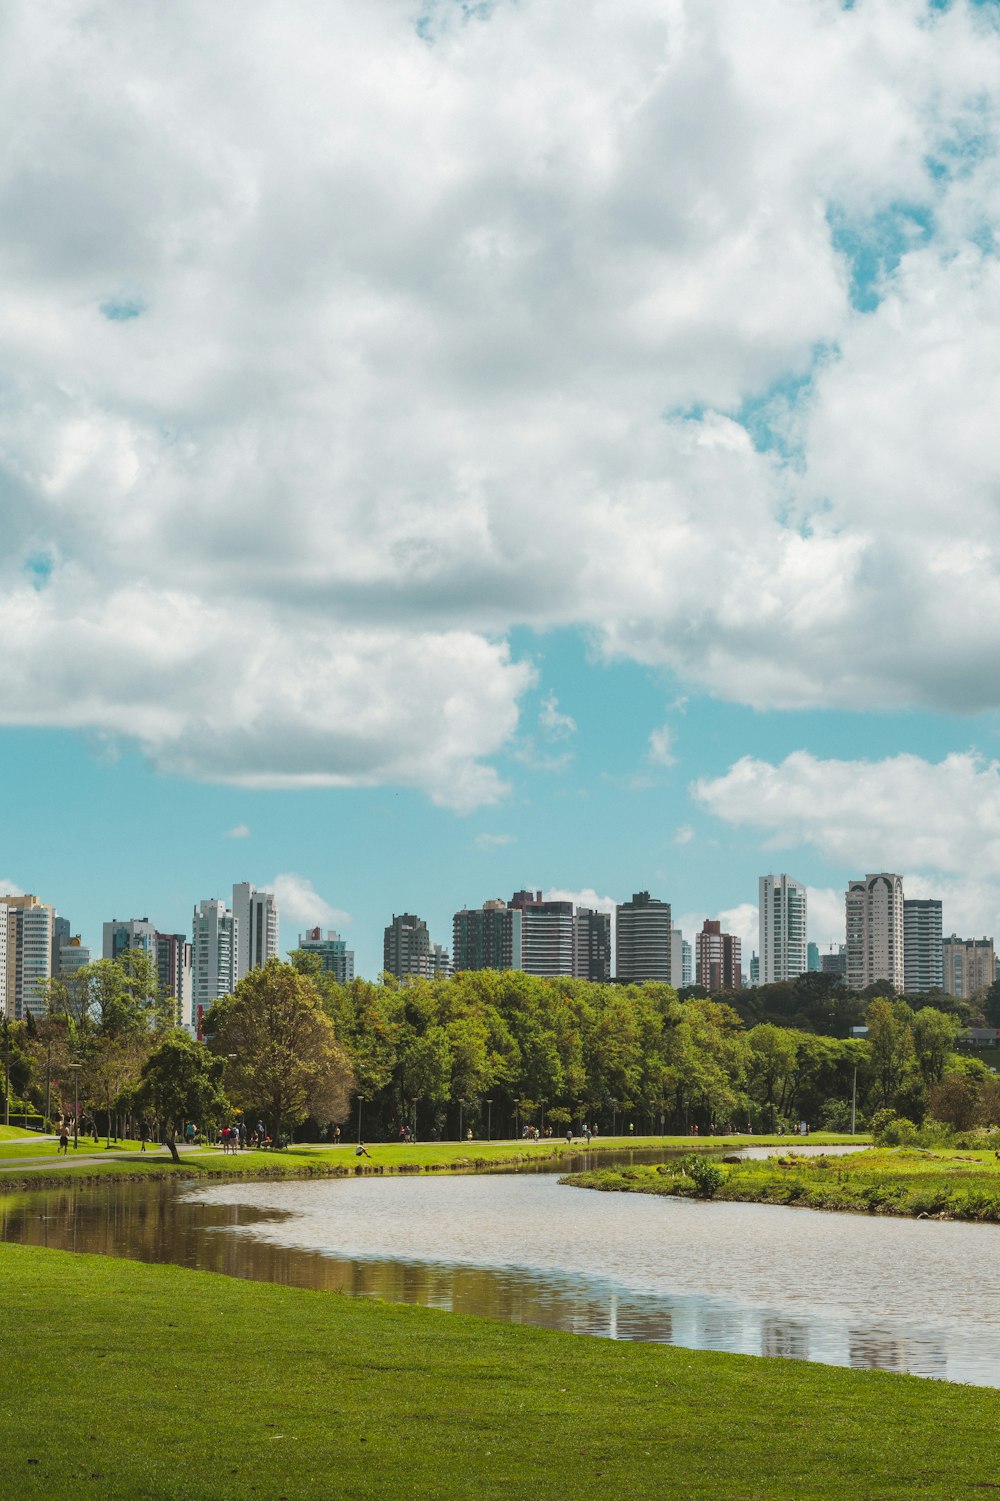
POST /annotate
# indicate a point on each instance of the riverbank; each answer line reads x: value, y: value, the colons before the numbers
x: 36, y: 1165
x: 912, y: 1184
x: 188, y: 1385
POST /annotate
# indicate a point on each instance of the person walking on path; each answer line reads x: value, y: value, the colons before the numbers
x: 63, y: 1146
x: 143, y: 1137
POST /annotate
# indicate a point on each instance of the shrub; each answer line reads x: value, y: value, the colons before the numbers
x: 879, y: 1121
x: 706, y: 1175
x: 899, y: 1132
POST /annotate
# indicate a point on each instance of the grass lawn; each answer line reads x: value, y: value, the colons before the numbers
x: 945, y: 1184
x: 119, y: 1380
x: 321, y: 1161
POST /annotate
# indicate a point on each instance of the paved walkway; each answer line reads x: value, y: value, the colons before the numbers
x: 83, y: 1158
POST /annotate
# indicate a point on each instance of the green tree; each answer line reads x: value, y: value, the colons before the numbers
x: 182, y: 1081
x: 934, y: 1036
x: 771, y: 1065
x: 284, y: 1060
x: 890, y: 1044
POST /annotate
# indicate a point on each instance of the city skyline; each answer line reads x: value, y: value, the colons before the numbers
x: 885, y: 936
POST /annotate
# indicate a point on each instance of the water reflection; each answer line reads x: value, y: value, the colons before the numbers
x: 840, y: 1289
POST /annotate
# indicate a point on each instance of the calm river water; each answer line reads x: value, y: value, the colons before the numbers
x: 902, y: 1295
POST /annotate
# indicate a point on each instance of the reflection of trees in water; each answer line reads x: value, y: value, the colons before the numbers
x: 154, y: 1222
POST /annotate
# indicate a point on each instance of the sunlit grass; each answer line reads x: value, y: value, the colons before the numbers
x: 193, y: 1387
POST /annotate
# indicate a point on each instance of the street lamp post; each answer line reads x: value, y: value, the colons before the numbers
x: 76, y: 1067
x: 854, y: 1099
x: 460, y: 1104
x: 489, y: 1120
x: 542, y: 1127
x: 360, y: 1098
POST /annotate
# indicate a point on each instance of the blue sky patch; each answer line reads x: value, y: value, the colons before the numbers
x: 874, y: 247
x: 39, y: 568
x: 121, y: 309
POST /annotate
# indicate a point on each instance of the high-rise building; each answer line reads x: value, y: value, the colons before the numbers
x: 256, y: 914
x: 719, y: 957
x: 968, y: 966
x: 874, y: 914
x: 487, y: 937
x: 124, y: 935
x: 754, y: 969
x: 548, y: 936
x: 812, y: 958
x: 835, y: 962
x: 173, y: 969
x: 592, y: 945
x: 782, y: 927
x: 923, y: 956
x: 71, y: 955
x: 215, y: 933
x: 407, y: 950
x: 28, y: 923
x: 642, y: 940
x: 335, y: 957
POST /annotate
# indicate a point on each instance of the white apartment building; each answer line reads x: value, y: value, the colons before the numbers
x: 28, y: 926
x: 782, y: 928
x: 256, y: 914
x: 213, y: 953
x: 923, y: 955
x: 874, y: 914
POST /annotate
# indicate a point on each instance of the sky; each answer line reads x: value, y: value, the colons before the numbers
x: 452, y: 447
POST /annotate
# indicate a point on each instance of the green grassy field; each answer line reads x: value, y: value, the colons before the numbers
x: 943, y: 1184
x: 119, y: 1380
x: 320, y: 1161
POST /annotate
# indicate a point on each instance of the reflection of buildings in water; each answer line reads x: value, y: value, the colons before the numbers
x: 878, y: 1350
x: 719, y: 1329
x: 651, y: 1321
x: 786, y: 1338
x: 921, y: 1354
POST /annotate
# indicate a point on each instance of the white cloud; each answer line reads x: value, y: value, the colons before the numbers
x: 661, y: 746
x: 300, y: 905
x: 586, y: 897
x: 10, y: 888
x: 742, y: 921
x: 896, y: 814
x: 683, y: 834
x: 238, y: 831
x: 333, y: 348
x: 936, y: 823
x: 825, y: 916
x: 554, y: 724
x: 494, y: 841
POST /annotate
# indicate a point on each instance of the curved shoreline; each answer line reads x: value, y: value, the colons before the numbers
x: 341, y: 1162
x: 901, y: 1184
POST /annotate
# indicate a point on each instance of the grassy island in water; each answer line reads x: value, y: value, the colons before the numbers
x: 941, y: 1184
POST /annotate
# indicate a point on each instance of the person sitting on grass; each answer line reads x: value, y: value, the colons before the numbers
x: 361, y: 1150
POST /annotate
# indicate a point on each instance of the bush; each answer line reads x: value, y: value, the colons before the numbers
x: 934, y: 1134
x: 879, y: 1121
x: 706, y: 1175
x: 899, y: 1132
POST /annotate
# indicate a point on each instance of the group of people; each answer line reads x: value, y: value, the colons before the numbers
x: 237, y: 1138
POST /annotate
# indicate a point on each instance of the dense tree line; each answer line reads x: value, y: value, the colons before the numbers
x: 488, y: 1052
